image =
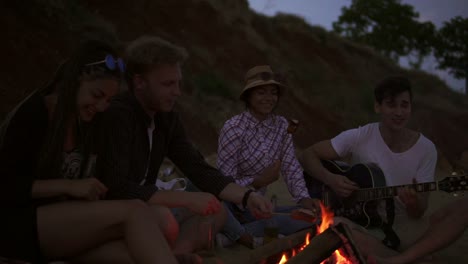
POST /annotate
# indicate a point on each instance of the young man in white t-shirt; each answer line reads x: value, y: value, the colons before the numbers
x: 405, y: 156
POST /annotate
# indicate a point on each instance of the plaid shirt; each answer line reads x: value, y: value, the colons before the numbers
x: 246, y: 147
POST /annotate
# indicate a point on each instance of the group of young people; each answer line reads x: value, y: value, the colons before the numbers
x: 80, y: 158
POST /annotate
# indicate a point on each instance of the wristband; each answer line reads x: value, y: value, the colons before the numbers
x: 251, y: 187
x: 246, y: 197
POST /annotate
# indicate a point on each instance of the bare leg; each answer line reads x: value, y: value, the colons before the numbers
x: 366, y: 243
x: 189, y: 239
x: 115, y: 252
x: 167, y: 223
x: 446, y: 225
x: 87, y: 225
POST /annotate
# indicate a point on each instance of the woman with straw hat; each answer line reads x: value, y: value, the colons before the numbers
x: 254, y: 147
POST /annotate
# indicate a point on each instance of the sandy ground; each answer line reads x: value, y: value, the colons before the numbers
x: 455, y: 253
x: 238, y: 254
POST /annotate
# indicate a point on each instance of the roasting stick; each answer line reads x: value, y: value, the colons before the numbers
x: 301, y: 214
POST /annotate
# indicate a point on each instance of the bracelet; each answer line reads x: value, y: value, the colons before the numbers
x: 246, y: 197
x: 251, y: 187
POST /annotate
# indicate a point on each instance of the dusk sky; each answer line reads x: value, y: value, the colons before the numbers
x: 325, y: 12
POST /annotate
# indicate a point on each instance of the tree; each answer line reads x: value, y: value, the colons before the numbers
x: 389, y: 26
x: 451, y: 48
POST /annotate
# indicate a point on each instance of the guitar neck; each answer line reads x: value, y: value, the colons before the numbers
x: 391, y: 191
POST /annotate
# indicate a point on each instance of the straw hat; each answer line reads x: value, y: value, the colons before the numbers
x: 258, y: 76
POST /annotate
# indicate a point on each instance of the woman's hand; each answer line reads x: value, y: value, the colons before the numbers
x: 269, y: 175
x: 89, y: 189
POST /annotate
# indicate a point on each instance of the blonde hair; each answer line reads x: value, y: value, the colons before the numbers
x: 147, y: 52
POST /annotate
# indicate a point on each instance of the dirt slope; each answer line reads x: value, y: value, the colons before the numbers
x: 330, y: 80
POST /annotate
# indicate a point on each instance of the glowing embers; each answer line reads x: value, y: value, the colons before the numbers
x: 330, y: 239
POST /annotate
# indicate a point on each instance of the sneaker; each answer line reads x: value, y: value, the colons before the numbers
x: 172, y: 184
x: 247, y: 240
x: 223, y: 241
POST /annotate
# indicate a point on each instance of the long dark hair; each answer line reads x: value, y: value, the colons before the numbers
x: 66, y: 84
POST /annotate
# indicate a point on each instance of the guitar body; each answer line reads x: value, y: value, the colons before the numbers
x: 366, y: 176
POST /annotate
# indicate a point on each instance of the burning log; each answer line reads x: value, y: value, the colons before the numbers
x: 259, y: 255
x: 323, y: 245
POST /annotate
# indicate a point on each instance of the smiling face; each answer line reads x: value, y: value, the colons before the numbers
x: 94, y: 96
x: 159, y: 89
x: 395, y: 111
x: 262, y: 100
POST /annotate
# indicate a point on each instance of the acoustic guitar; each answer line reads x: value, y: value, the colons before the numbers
x: 361, y: 206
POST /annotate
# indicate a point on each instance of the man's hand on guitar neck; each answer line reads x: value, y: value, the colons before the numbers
x: 341, y: 185
x: 415, y: 204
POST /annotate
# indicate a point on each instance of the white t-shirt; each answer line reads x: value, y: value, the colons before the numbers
x: 366, y: 145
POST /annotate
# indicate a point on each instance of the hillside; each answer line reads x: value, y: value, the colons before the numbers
x: 330, y: 79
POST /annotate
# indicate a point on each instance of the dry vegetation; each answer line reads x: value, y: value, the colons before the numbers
x: 330, y: 79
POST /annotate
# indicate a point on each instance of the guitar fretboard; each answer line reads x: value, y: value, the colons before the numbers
x: 391, y: 191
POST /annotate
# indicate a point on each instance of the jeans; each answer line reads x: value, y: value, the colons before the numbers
x: 255, y: 227
x: 233, y: 229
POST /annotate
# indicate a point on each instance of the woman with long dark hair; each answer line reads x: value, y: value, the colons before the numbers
x: 50, y: 203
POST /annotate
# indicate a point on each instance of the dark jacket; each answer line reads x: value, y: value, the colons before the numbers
x: 124, y: 152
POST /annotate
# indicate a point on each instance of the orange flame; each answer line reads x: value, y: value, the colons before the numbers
x: 327, y: 221
x: 307, y: 242
x: 283, y: 259
x: 340, y: 259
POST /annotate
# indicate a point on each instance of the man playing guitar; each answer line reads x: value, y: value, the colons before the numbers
x: 405, y: 156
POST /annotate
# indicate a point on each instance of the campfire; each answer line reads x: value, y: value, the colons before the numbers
x: 330, y: 245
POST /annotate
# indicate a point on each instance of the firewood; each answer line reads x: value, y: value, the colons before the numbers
x: 279, y: 245
x: 321, y: 247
